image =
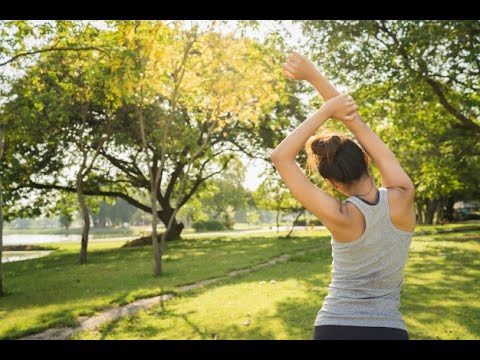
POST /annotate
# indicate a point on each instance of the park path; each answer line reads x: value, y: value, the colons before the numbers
x: 93, y: 323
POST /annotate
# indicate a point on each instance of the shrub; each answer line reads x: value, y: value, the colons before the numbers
x: 229, y: 223
x: 315, y: 221
x: 208, y: 225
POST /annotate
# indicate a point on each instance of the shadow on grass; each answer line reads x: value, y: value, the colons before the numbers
x: 443, y: 305
x: 441, y: 290
x: 119, y: 276
x: 440, y: 284
x: 439, y: 296
x: 60, y: 318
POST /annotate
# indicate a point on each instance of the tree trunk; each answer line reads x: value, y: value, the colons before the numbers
x: 294, y: 221
x: 440, y: 215
x: 449, y: 208
x: 157, y: 255
x: 85, y: 215
x: 420, y: 211
x: 278, y: 220
x: 173, y: 234
x: 175, y: 229
x: 430, y: 212
x: 1, y: 215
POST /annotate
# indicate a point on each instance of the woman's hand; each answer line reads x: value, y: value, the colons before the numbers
x: 299, y: 67
x: 341, y: 107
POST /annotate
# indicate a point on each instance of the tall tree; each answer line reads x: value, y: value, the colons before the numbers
x: 417, y: 82
x: 20, y: 41
x: 185, y: 101
x: 83, y: 127
x: 228, y: 90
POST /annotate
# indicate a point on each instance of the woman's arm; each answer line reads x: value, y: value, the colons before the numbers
x: 299, y: 67
x: 340, y: 106
x: 325, y: 207
x: 390, y: 169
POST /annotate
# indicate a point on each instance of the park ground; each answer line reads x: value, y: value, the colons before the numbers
x: 439, y: 297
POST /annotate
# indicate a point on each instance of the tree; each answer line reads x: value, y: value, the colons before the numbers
x: 70, y: 109
x: 18, y: 43
x: 65, y: 208
x: 252, y: 217
x: 273, y: 195
x: 417, y: 83
x: 224, y: 194
x: 116, y: 212
x: 213, y: 97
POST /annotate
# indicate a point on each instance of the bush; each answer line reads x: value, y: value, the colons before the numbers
x: 208, y: 225
x: 301, y: 222
x: 229, y: 223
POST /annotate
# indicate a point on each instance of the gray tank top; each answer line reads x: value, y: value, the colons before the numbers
x: 367, y: 272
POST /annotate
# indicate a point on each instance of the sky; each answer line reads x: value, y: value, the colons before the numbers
x: 254, y: 169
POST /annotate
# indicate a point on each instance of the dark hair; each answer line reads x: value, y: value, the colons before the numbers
x: 336, y: 157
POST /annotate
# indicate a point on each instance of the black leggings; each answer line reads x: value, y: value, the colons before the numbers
x: 337, y: 332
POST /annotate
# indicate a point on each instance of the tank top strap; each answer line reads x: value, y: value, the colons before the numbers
x: 371, y: 211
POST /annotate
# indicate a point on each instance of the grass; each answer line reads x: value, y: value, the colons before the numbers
x: 54, y: 290
x: 439, y: 297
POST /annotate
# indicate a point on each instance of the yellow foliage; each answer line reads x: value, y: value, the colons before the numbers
x: 224, y: 78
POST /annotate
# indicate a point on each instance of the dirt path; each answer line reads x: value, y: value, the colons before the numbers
x: 92, y: 323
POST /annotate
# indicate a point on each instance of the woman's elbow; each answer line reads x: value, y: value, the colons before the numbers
x: 275, y: 156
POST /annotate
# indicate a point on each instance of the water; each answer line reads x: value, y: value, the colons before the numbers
x: 11, y: 256
x: 35, y: 239
x: 32, y: 239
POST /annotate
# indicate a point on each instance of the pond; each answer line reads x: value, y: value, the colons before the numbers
x: 11, y: 256
x: 32, y: 239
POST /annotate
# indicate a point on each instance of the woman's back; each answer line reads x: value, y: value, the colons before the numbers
x: 367, y: 272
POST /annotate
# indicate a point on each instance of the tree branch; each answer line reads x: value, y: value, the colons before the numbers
x: 201, y: 180
x: 97, y: 152
x: 122, y: 165
x: 127, y: 198
x: 33, y: 52
x: 467, y: 123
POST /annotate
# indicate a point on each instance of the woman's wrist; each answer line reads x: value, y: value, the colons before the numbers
x: 355, y: 124
x: 325, y: 112
x: 316, y: 78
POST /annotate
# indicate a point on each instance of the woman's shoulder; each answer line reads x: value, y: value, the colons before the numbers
x: 401, y: 208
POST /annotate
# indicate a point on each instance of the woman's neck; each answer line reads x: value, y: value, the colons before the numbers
x: 365, y: 189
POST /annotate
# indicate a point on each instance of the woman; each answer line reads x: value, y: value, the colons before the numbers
x: 371, y: 230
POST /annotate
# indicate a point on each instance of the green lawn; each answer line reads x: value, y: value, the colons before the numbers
x: 439, y: 298
x: 54, y: 290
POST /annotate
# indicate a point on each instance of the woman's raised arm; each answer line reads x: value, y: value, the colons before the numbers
x: 390, y: 169
x: 300, y: 68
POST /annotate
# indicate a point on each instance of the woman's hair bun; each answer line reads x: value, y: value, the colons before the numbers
x: 335, y: 157
x: 326, y: 147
